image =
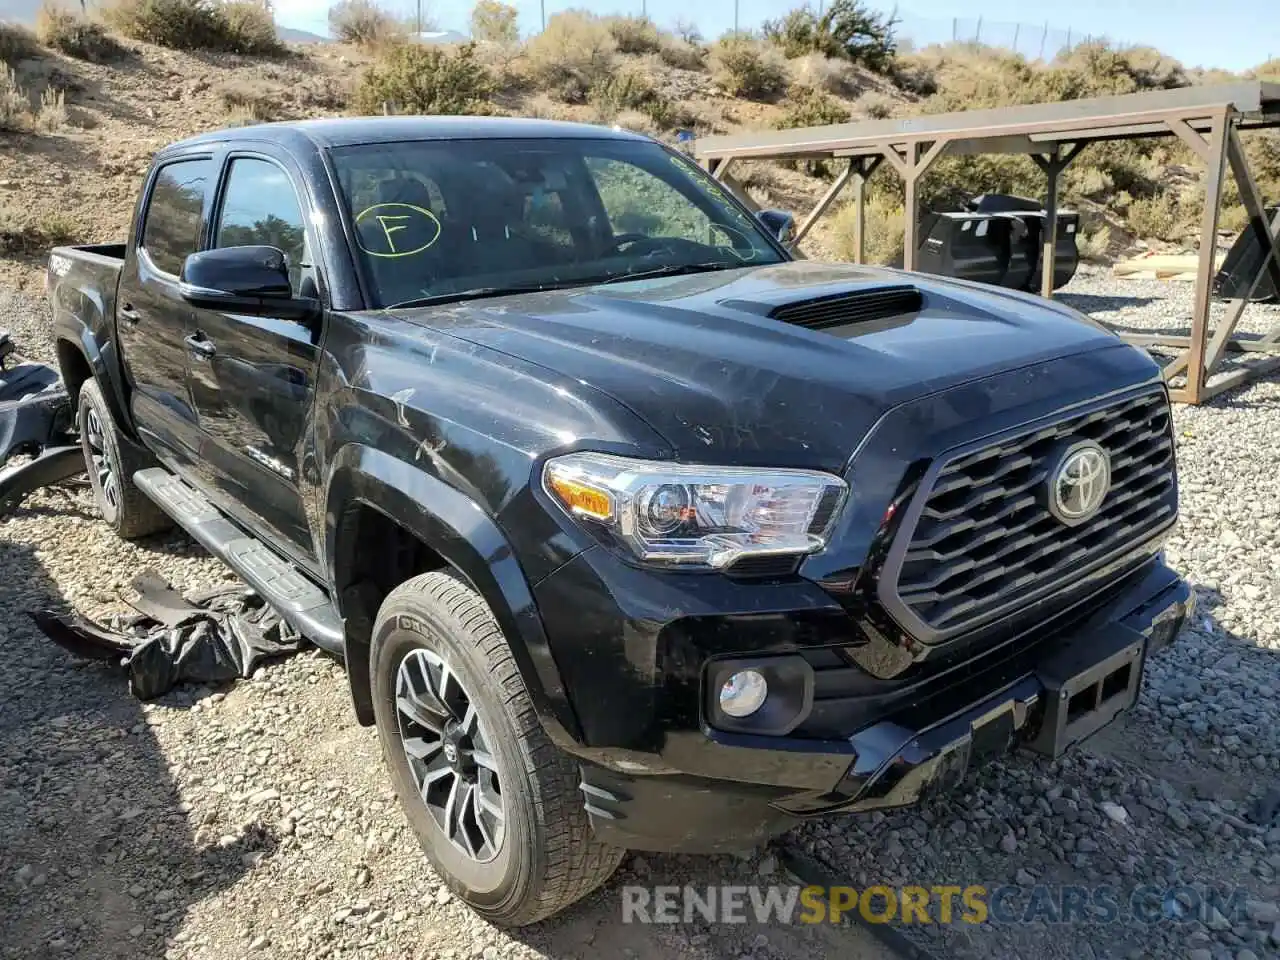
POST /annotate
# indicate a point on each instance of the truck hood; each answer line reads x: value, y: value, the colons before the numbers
x: 700, y: 359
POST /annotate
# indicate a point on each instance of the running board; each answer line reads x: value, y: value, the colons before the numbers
x: 279, y: 582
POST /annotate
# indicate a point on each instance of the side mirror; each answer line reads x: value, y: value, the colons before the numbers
x: 252, y: 280
x: 779, y: 223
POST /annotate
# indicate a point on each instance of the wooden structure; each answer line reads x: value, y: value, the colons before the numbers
x: 1207, y: 119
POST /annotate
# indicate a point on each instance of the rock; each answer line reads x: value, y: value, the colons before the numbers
x: 1115, y: 812
x: 25, y: 874
x: 1009, y: 843
x: 1179, y: 818
x: 443, y: 895
x: 768, y: 866
x: 1024, y: 878
x: 259, y: 943
x: 1261, y: 911
x: 263, y: 796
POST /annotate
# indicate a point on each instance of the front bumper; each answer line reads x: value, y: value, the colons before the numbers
x: 713, y: 791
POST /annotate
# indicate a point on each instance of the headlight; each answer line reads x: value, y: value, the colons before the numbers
x: 688, y: 515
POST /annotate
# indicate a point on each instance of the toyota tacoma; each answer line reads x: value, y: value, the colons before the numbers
x: 634, y: 531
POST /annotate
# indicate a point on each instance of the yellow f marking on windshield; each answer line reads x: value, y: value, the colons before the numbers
x: 393, y: 218
x: 387, y: 228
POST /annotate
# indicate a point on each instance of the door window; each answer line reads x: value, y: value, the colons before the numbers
x: 171, y: 231
x: 260, y: 208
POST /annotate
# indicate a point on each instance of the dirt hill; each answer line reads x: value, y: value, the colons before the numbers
x: 77, y: 132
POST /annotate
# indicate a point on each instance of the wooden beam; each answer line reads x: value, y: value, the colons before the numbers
x: 896, y: 160
x: 1238, y: 377
x: 1198, y: 144
x: 926, y: 161
x: 860, y: 225
x: 911, y: 209
x: 722, y: 169
x: 1173, y: 341
x: 740, y: 192
x: 842, y: 181
x: 1049, y: 239
x: 1213, y: 177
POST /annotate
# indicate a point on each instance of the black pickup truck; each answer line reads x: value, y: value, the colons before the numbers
x: 633, y: 530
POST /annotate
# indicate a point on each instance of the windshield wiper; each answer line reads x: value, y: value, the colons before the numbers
x: 670, y: 270
x: 476, y: 293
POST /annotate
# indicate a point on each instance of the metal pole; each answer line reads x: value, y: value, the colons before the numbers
x: 955, y: 28
x: 1043, y: 37
x: 544, y: 14
x: 1017, y: 28
x: 735, y: 17
x: 1068, y: 38
x: 977, y: 37
x: 419, y: 19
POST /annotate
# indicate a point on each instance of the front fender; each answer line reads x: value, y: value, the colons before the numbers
x: 455, y: 527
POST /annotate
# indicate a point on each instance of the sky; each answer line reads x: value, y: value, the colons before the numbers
x: 1232, y: 34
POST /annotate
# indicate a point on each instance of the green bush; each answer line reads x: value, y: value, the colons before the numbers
x: 76, y: 35
x: 364, y: 23
x: 631, y: 90
x: 806, y: 107
x: 572, y: 55
x: 875, y: 105
x: 845, y: 28
x: 233, y: 26
x: 748, y: 68
x: 495, y: 22
x: 409, y: 78
x: 634, y: 34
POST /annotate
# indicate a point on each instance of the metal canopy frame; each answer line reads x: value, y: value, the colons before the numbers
x: 1207, y: 119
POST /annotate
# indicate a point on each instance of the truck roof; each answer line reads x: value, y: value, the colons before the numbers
x: 345, y: 131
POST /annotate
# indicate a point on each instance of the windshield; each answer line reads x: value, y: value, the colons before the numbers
x: 435, y: 219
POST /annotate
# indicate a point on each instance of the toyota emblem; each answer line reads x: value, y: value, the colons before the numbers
x: 1079, y: 483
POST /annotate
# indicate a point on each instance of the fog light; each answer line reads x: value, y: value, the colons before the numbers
x: 743, y: 693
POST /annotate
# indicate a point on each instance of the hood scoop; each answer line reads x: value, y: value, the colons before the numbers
x: 851, y: 307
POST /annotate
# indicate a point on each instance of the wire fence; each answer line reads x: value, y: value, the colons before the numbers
x: 715, y: 17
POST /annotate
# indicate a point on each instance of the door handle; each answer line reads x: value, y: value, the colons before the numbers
x: 201, y: 346
x: 130, y: 315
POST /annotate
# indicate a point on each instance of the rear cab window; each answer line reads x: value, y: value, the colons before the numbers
x: 171, y: 228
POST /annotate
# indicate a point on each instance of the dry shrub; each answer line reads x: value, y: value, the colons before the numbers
x: 634, y: 34
x: 76, y: 35
x: 884, y: 231
x: 52, y: 115
x: 495, y: 22
x: 823, y: 73
x: 681, y: 54
x: 245, y: 96
x: 1155, y: 218
x: 233, y: 26
x: 415, y: 79
x: 24, y: 233
x: 875, y: 105
x: 15, y: 106
x: 748, y: 68
x: 16, y: 43
x: 1094, y: 246
x: 365, y: 23
x: 575, y: 52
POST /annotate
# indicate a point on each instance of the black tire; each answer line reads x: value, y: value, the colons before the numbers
x: 112, y: 460
x: 547, y: 858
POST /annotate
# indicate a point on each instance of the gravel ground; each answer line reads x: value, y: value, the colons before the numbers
x: 256, y: 818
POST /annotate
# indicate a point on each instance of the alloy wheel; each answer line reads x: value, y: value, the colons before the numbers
x: 104, y: 469
x: 449, y: 754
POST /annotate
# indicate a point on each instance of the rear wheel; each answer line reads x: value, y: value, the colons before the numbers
x: 494, y: 803
x: 112, y: 460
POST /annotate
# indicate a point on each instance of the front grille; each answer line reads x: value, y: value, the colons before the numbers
x: 985, y: 542
x: 857, y: 306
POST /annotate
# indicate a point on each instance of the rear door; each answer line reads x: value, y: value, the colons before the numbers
x: 252, y: 378
x: 152, y: 319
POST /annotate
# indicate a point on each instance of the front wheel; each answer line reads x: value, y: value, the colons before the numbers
x: 493, y: 801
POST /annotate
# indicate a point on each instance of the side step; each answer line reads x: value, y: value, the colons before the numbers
x: 281, y: 584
